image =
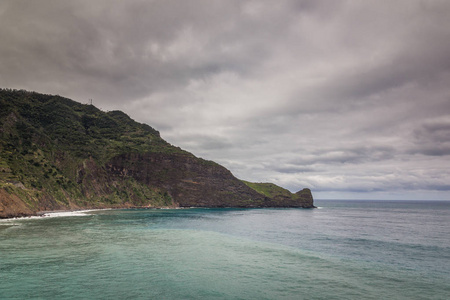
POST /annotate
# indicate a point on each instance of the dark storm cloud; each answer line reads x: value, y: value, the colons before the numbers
x: 117, y: 51
x: 347, y: 98
x: 433, y: 138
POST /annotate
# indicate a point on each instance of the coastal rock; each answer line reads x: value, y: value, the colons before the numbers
x: 12, y: 206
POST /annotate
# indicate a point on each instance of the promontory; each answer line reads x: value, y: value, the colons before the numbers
x: 58, y: 154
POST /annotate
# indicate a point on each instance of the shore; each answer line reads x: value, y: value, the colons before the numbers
x: 83, y: 212
x: 55, y: 213
x: 76, y: 212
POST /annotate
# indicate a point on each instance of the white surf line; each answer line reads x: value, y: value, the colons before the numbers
x: 72, y: 213
x: 54, y: 214
x: 75, y: 213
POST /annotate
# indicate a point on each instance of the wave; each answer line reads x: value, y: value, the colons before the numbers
x: 54, y: 214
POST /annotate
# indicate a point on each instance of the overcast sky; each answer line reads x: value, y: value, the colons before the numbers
x: 348, y: 98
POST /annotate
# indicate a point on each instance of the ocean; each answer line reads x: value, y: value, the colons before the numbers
x: 342, y: 250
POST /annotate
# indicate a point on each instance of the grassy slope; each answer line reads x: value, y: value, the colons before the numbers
x: 269, y: 189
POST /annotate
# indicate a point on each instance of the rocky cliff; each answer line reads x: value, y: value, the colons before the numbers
x: 56, y: 153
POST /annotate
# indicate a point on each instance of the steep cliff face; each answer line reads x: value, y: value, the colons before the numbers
x: 56, y: 153
x: 190, y: 181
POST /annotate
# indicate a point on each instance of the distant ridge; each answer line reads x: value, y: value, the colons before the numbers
x: 58, y: 154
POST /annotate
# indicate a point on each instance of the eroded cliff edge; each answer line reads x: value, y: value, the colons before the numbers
x: 57, y: 154
x: 191, y: 181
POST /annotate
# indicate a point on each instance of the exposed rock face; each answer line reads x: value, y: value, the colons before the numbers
x: 191, y: 181
x: 12, y: 206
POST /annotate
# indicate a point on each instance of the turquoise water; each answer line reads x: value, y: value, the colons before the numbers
x: 344, y: 250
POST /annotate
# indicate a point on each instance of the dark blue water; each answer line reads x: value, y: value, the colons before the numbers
x: 343, y: 250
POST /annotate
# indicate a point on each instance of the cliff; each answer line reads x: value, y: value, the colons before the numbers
x: 56, y: 153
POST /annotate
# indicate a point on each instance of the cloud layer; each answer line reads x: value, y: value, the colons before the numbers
x: 351, y: 99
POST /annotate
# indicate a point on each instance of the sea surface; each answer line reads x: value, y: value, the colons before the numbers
x: 343, y: 250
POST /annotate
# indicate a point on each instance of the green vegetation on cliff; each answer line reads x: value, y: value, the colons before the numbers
x: 56, y: 153
x: 269, y: 189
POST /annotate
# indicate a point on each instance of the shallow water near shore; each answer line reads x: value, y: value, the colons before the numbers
x: 344, y: 250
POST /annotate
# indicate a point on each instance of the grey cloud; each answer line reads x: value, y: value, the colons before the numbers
x: 355, y: 155
x: 115, y: 50
x: 343, y: 97
x: 436, y: 151
x: 433, y: 138
x: 293, y: 169
x: 442, y: 187
x: 436, y: 131
x: 206, y: 142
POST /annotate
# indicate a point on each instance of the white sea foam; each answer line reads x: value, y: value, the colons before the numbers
x: 54, y: 214
x: 77, y: 213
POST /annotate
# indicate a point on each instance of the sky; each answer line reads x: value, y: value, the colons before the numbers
x: 348, y: 98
